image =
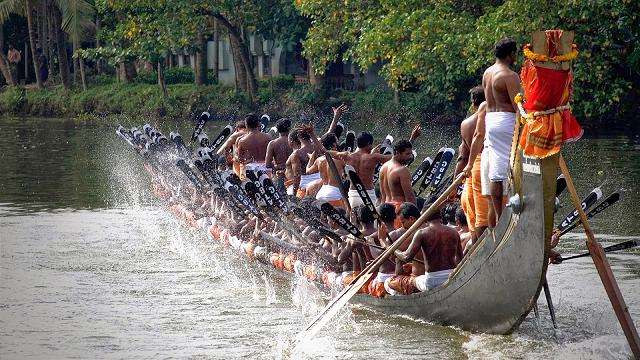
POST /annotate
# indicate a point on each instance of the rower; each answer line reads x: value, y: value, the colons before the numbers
x: 229, y: 146
x: 395, y: 178
x: 298, y: 160
x: 252, y: 146
x: 387, y: 214
x: 364, y: 161
x: 330, y: 190
x: 278, y: 152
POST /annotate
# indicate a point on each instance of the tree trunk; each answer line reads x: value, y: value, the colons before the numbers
x: 63, y: 61
x: 216, y: 65
x: 50, y: 30
x: 5, y: 68
x: 241, y: 75
x: 82, y: 77
x: 32, y: 41
x: 76, y: 66
x: 98, y: 44
x: 201, y: 61
x: 243, y: 52
x: 161, y: 82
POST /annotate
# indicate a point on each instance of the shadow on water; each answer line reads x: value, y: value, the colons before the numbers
x: 90, y: 260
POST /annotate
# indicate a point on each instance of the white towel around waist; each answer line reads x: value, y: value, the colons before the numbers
x: 355, y: 200
x: 329, y: 193
x: 499, y: 131
x: 305, y: 180
x: 432, y: 280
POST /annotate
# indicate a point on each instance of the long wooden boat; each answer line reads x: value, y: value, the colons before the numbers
x: 495, y: 286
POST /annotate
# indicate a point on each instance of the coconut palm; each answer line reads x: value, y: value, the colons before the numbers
x: 70, y: 16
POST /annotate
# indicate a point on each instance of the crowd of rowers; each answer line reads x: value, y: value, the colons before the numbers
x: 297, y: 162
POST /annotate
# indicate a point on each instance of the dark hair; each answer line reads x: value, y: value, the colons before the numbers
x: 436, y: 215
x: 364, y: 139
x: 328, y: 140
x: 461, y: 217
x: 364, y: 214
x: 407, y: 210
x: 477, y: 95
x: 504, y: 47
x: 448, y: 214
x: 252, y: 121
x: 293, y: 137
x: 401, y: 146
x: 387, y: 212
x: 283, y: 125
x: 241, y: 125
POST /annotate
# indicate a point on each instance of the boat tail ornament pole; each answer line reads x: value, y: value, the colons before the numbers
x: 604, y: 270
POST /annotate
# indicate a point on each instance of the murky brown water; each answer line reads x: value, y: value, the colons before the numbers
x: 91, y: 266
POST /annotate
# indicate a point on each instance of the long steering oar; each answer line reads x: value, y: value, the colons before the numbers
x: 612, y: 199
x: 339, y: 301
x: 586, y: 204
x: 620, y: 246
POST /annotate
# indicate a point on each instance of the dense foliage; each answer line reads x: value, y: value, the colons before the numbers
x: 442, y: 46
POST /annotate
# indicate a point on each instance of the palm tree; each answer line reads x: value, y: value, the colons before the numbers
x: 69, y: 16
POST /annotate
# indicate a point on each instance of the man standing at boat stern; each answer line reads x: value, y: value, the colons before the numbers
x: 500, y: 84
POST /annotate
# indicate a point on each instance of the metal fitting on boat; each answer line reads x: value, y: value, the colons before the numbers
x: 557, y: 205
x: 515, y: 203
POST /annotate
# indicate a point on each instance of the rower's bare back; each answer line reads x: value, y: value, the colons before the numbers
x: 500, y: 86
x: 325, y: 171
x: 281, y: 152
x: 252, y: 147
x: 441, y: 246
x: 365, y: 165
x: 392, y: 175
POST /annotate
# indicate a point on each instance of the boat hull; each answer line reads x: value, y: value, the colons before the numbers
x: 498, y: 282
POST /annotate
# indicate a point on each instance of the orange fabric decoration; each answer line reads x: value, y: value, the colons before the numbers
x: 547, y: 89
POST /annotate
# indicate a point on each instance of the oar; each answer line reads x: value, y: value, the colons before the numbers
x: 431, y: 171
x: 339, y: 301
x: 344, y: 223
x: 204, y: 117
x: 221, y: 138
x: 417, y: 175
x: 338, y: 180
x: 441, y: 169
x: 620, y: 246
x: 586, y: 203
x: 612, y: 199
x: 561, y: 184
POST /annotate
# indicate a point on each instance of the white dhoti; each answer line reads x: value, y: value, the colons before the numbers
x: 329, y: 193
x: 257, y: 166
x: 497, y: 140
x: 432, y: 280
x: 290, y: 190
x: 355, y: 200
x: 305, y: 180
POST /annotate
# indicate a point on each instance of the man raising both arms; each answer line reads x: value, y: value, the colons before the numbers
x: 252, y: 147
x: 395, y: 178
x: 278, y: 152
x: 500, y: 84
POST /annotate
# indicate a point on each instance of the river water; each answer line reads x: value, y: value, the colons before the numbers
x: 92, y: 266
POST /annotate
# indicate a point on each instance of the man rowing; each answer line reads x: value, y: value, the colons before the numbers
x: 474, y: 204
x: 395, y: 178
x: 297, y: 162
x: 228, y: 149
x: 441, y: 250
x: 364, y: 161
x: 252, y: 146
x: 278, y: 151
x: 330, y: 191
x: 495, y: 129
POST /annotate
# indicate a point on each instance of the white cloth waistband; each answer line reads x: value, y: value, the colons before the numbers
x: 305, y: 180
x: 256, y: 166
x: 432, y: 280
x: 329, y: 193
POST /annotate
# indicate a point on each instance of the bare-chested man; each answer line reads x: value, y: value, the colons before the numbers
x: 330, y: 190
x: 395, y: 178
x: 364, y: 161
x: 500, y: 84
x: 474, y: 204
x: 387, y: 269
x: 297, y: 162
x: 229, y: 147
x: 278, y: 151
x: 252, y: 146
x: 440, y: 245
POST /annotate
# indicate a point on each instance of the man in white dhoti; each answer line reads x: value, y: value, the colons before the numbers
x: 494, y: 129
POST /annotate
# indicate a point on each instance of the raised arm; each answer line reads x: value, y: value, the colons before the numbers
x: 313, y: 165
x: 478, y: 139
x: 337, y: 113
x: 417, y: 131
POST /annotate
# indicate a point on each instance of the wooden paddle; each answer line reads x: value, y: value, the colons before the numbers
x: 339, y: 301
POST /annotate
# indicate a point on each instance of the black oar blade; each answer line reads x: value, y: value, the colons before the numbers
x: 221, y: 138
x: 264, y: 122
x: 441, y: 170
x: 341, y: 220
x: 561, y: 184
x: 617, y: 247
x: 420, y: 171
x: 204, y: 117
x: 610, y: 200
x: 350, y: 141
x: 429, y: 174
x: 587, y: 203
x: 362, y: 191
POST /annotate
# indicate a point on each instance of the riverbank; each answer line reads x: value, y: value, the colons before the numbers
x: 278, y: 98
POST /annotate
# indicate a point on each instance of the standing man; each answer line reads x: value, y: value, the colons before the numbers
x: 278, y: 151
x: 43, y: 66
x: 395, y: 178
x: 13, y: 56
x: 330, y: 190
x: 495, y: 129
x: 228, y: 149
x: 474, y: 204
x: 252, y: 146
